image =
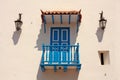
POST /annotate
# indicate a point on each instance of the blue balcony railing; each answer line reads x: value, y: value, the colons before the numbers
x: 60, y: 55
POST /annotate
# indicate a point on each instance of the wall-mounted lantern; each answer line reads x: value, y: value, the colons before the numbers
x: 18, y: 23
x: 102, y: 21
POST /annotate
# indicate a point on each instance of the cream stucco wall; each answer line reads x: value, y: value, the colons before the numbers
x: 20, y: 52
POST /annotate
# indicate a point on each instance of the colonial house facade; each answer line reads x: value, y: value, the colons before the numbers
x: 59, y: 40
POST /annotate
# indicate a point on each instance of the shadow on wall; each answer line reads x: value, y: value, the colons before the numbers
x: 74, y: 33
x: 16, y: 36
x: 44, y: 38
x: 59, y: 75
x: 99, y: 34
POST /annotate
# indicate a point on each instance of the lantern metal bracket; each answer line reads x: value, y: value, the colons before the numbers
x: 102, y: 21
x: 18, y: 23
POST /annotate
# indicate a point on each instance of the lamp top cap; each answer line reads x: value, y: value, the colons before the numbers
x: 20, y: 13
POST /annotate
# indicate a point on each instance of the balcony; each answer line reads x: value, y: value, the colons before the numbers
x: 60, y: 55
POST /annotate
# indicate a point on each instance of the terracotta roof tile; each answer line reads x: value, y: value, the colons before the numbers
x: 60, y: 12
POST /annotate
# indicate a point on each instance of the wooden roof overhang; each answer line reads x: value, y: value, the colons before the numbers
x: 61, y: 17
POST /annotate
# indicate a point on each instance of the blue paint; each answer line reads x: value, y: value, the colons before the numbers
x: 65, y: 68
x: 55, y: 35
x: 44, y: 19
x: 53, y: 19
x: 55, y: 56
x: 42, y: 68
x: 43, y: 48
x: 69, y: 19
x: 60, y: 52
x: 69, y: 56
x: 59, y: 60
x: 70, y: 53
x: 61, y: 19
x: 78, y: 53
x: 64, y: 54
x: 44, y: 28
x: 77, y: 23
x: 61, y: 35
x: 60, y: 57
x: 44, y: 24
x: 50, y: 57
x: 64, y: 35
x: 55, y: 68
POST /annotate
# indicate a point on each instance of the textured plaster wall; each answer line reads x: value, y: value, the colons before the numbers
x: 20, y: 52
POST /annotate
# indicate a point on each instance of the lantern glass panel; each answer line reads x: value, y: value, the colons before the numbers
x: 18, y: 24
x: 102, y: 23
